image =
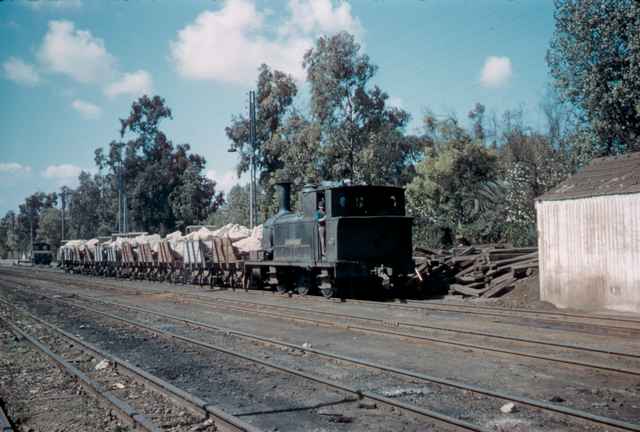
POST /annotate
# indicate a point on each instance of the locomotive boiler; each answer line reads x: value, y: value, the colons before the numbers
x: 367, y: 242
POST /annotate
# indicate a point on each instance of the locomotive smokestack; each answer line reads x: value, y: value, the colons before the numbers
x: 285, y: 196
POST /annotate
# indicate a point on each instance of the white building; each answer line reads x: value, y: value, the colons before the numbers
x: 589, y: 237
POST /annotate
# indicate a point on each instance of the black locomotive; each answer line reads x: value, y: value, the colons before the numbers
x: 366, y: 235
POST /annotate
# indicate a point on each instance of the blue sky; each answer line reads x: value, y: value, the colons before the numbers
x: 70, y: 68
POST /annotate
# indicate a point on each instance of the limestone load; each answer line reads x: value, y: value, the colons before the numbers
x: 251, y: 243
x: 235, y: 232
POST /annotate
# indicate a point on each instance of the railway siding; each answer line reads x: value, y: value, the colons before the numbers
x: 170, y: 308
x: 272, y: 398
x: 523, y: 401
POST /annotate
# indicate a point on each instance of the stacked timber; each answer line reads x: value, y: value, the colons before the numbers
x: 476, y: 271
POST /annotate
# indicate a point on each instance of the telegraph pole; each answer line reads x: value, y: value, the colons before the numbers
x: 252, y: 135
x: 252, y: 159
x: 122, y: 201
x: 64, y: 206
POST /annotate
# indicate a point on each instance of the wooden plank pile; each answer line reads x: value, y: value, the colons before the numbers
x: 476, y: 271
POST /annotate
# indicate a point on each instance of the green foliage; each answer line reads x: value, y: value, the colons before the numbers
x: 594, y: 59
x: 165, y: 184
x: 453, y: 191
x: 274, y: 96
x: 50, y: 227
x: 234, y: 210
x: 88, y: 207
x: 362, y: 138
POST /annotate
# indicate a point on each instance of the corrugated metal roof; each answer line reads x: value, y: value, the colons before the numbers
x: 612, y: 175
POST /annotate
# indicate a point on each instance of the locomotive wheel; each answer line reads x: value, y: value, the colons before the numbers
x: 326, y: 284
x: 329, y: 292
x: 303, y: 283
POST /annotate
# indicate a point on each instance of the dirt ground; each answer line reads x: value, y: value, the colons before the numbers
x: 597, y: 391
x: 525, y: 295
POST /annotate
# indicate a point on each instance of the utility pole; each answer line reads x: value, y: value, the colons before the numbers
x: 31, y: 225
x: 252, y: 135
x: 252, y: 159
x: 64, y: 206
x: 122, y: 201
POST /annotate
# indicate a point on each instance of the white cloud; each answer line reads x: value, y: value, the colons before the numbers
x: 134, y: 84
x: 225, y: 180
x: 75, y: 53
x: 229, y: 44
x: 86, y: 109
x: 14, y: 168
x: 496, y: 72
x: 63, y: 174
x: 22, y: 73
x: 320, y: 17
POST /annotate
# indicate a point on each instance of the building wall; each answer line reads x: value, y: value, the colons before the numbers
x: 589, y: 252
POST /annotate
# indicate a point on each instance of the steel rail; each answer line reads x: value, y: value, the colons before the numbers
x: 427, y: 338
x: 5, y: 424
x: 555, y: 317
x: 311, y: 377
x: 398, y: 371
x: 420, y: 305
x: 422, y: 338
x: 537, y: 311
x: 498, y: 312
x: 123, y: 410
x: 418, y: 326
x: 419, y: 338
x: 223, y: 421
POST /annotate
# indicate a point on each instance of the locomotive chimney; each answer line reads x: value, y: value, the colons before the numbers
x: 285, y: 196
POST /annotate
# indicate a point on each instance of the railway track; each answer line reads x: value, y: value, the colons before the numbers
x: 545, y: 406
x: 383, y: 329
x: 168, y: 398
x: 506, y: 315
x: 448, y: 422
x: 423, y: 306
x: 389, y: 328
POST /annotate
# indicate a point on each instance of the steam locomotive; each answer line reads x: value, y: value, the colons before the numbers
x: 368, y: 242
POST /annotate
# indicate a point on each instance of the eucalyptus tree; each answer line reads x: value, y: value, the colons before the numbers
x: 362, y: 136
x: 594, y: 59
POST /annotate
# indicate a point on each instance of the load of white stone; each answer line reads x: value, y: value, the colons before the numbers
x: 176, y: 241
x: 235, y: 232
x: 251, y: 243
x: 153, y: 240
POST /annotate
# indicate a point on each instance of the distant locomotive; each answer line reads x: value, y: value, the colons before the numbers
x: 348, y: 240
x: 41, y: 253
x: 368, y: 242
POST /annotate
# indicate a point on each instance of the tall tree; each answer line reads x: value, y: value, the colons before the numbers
x: 165, y: 184
x: 84, y: 216
x: 594, y: 59
x: 362, y: 136
x: 50, y: 225
x: 235, y: 209
x: 274, y: 96
x: 28, y: 218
